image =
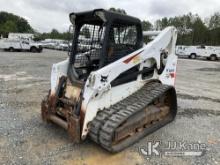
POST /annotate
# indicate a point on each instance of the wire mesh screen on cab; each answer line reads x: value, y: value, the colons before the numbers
x: 89, y: 45
x: 122, y: 41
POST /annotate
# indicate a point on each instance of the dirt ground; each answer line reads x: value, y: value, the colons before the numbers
x: 25, y: 139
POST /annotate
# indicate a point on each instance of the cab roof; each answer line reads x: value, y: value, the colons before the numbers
x: 88, y: 16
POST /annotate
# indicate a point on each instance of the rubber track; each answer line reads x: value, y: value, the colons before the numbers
x: 106, y: 121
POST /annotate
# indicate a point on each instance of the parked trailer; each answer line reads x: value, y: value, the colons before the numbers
x: 20, y: 45
x: 209, y: 52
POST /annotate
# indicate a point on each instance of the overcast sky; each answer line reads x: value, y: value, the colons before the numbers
x: 43, y: 15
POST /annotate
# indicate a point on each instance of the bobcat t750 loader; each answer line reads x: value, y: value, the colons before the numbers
x: 113, y: 88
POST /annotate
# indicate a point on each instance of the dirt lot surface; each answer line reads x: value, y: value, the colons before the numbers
x: 25, y: 139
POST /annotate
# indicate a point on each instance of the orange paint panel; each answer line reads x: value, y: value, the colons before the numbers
x: 132, y: 57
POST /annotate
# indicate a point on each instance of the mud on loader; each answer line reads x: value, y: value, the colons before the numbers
x: 112, y: 87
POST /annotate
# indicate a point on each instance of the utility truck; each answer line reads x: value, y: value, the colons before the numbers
x: 20, y: 45
x: 209, y: 52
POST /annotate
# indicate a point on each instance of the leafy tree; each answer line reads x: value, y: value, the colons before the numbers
x: 191, y: 29
x: 12, y: 23
x: 200, y: 32
x: 214, y: 21
x: 54, y: 34
x: 9, y: 26
x: 214, y: 36
x: 146, y: 25
x: 23, y: 26
x: 164, y: 22
x: 158, y: 25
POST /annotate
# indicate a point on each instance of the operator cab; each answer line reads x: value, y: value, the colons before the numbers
x: 100, y: 38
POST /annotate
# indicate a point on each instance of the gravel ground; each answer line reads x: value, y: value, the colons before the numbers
x: 25, y: 139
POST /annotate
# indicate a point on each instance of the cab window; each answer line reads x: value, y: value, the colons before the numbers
x: 122, y: 41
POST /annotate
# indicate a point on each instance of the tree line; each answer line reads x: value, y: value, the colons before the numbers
x: 192, y: 30
x: 13, y: 23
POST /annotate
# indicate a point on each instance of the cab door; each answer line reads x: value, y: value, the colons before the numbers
x: 25, y: 45
x: 201, y: 50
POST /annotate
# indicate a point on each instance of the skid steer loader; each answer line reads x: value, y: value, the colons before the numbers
x: 113, y: 88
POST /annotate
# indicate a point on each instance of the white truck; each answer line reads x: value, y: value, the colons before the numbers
x: 56, y: 44
x: 180, y: 50
x: 193, y: 52
x: 20, y: 36
x: 20, y: 45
